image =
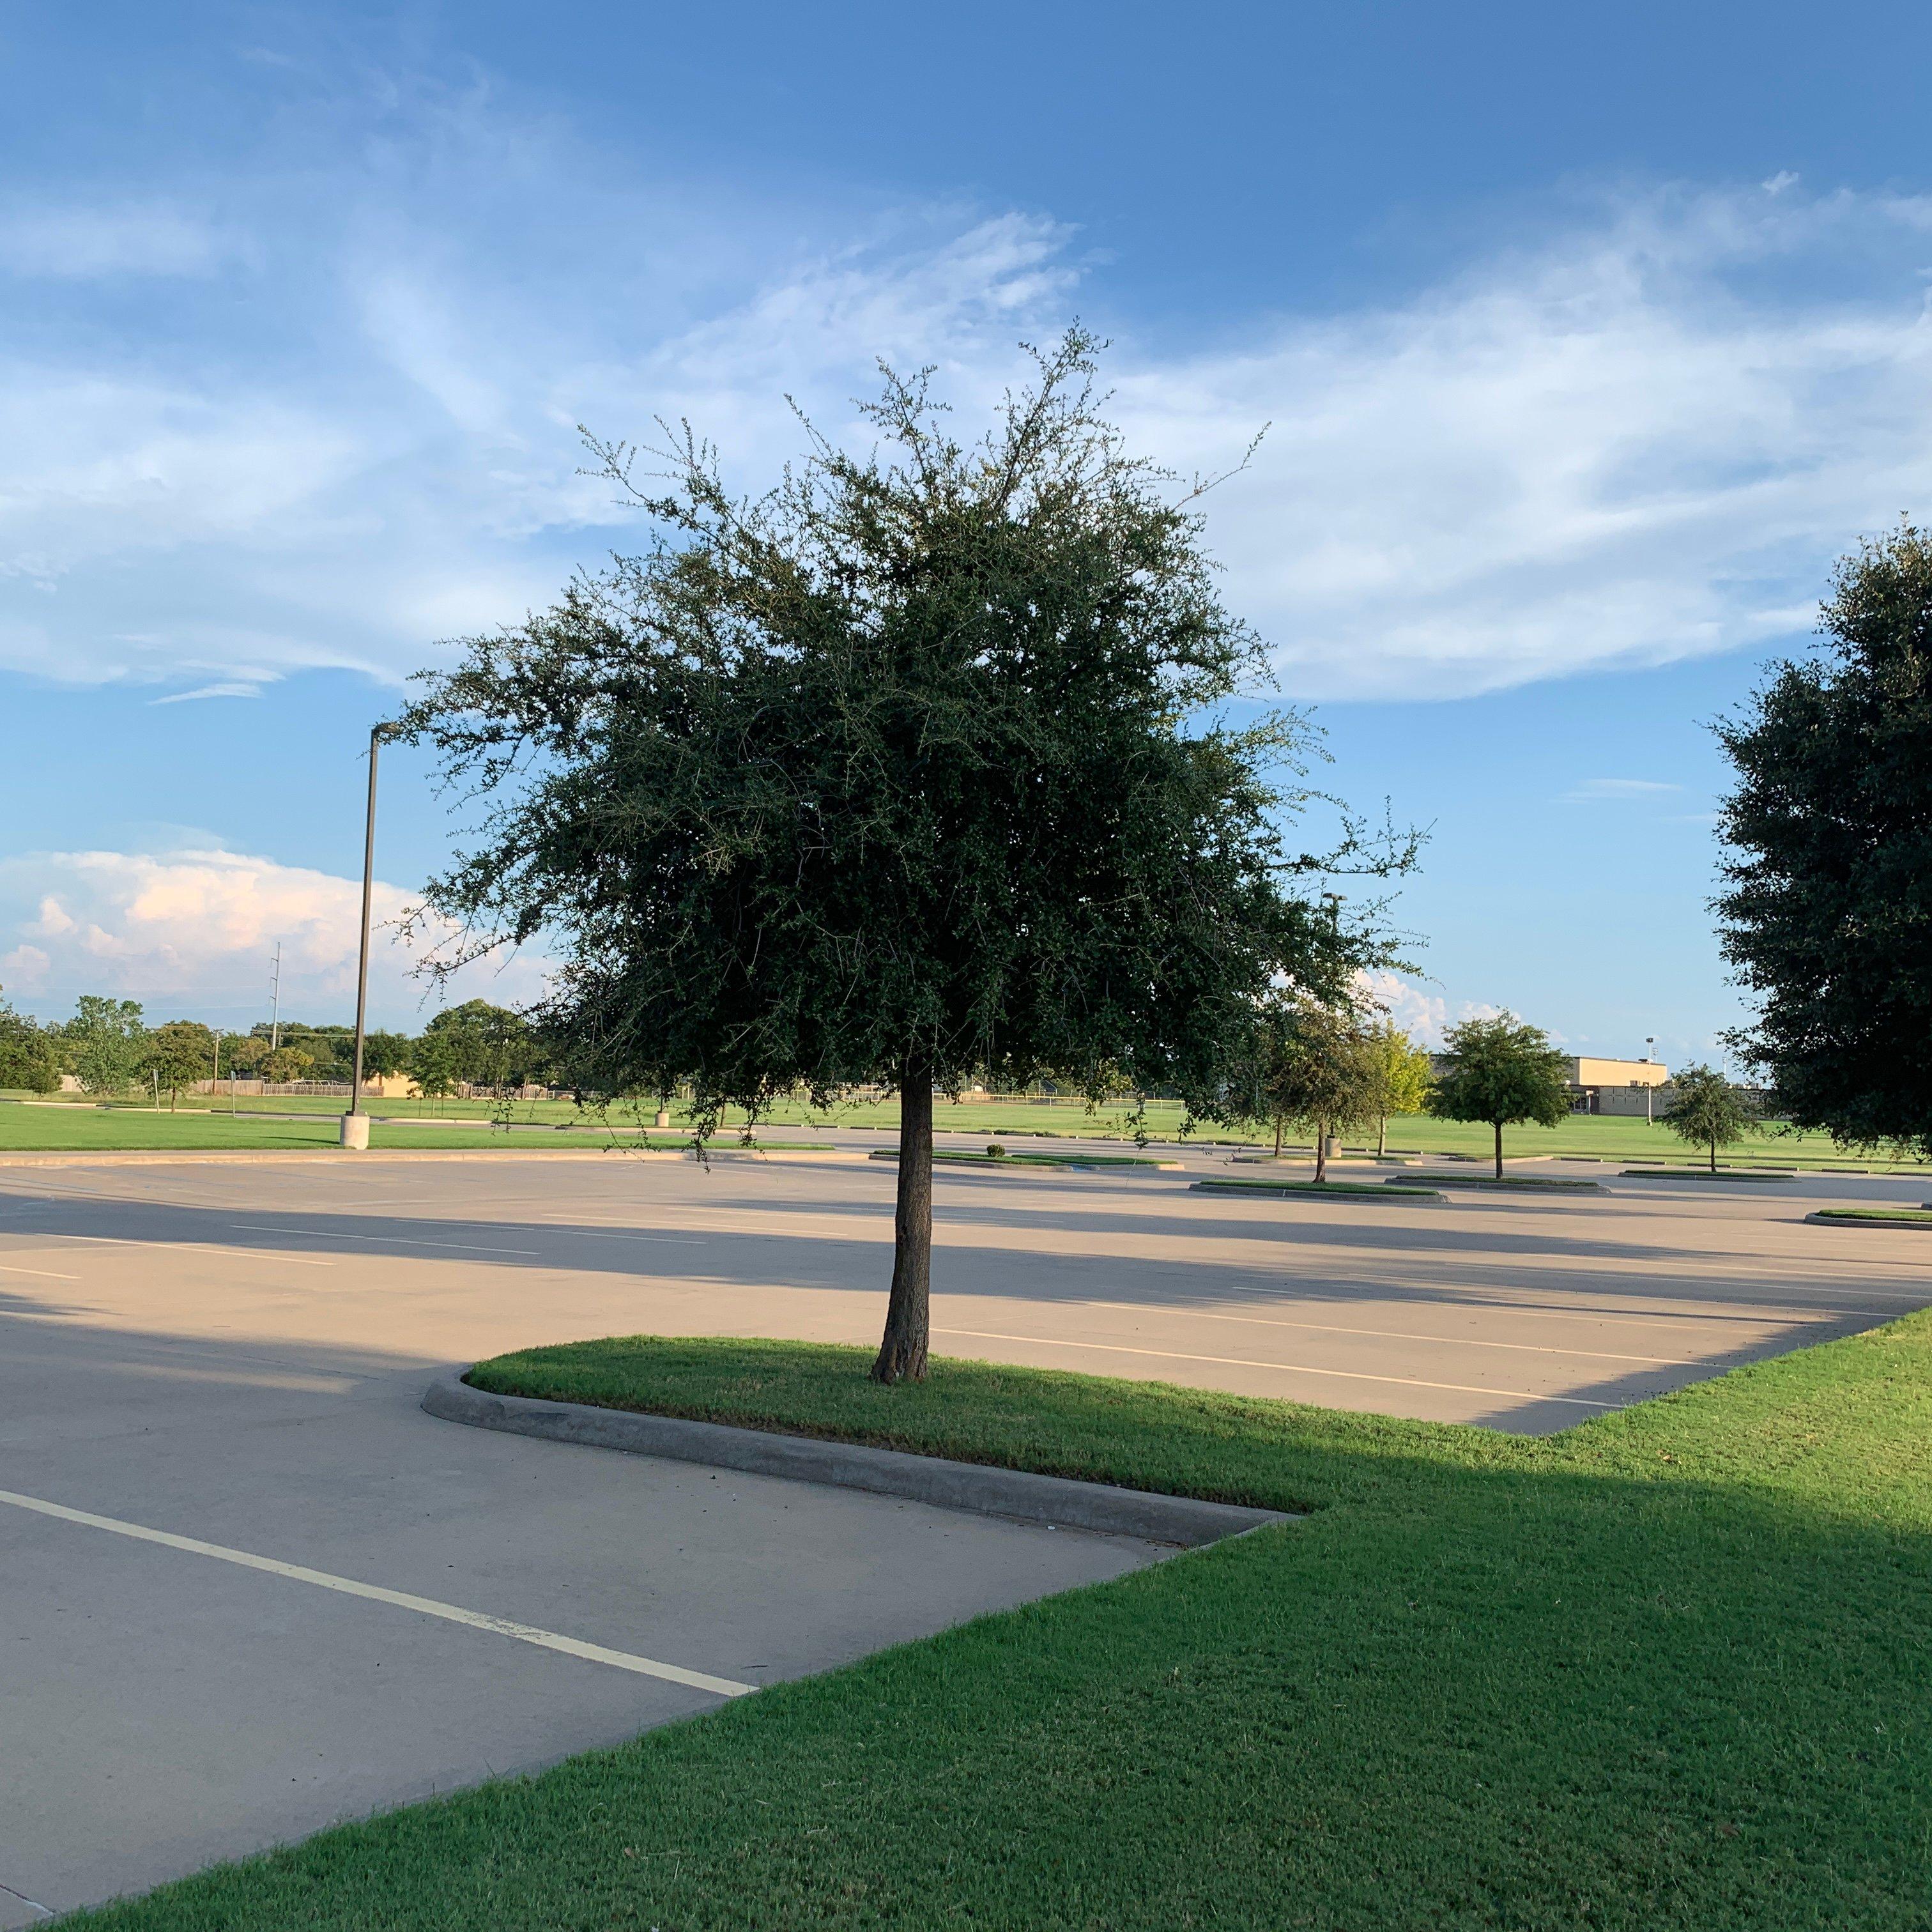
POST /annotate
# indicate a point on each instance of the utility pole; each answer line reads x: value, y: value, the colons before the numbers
x: 1649, y: 1091
x: 275, y: 995
x: 355, y: 1123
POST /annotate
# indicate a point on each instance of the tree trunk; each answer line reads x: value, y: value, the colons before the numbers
x: 1277, y: 1140
x: 1499, y: 1150
x: 1382, y: 1136
x: 909, y: 1312
x: 1714, y: 1153
x: 1322, y: 1150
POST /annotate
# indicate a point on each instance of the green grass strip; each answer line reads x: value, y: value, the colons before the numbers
x: 1704, y: 1173
x: 959, y: 1157
x: 1667, y: 1671
x: 1368, y: 1190
x: 1534, y: 1183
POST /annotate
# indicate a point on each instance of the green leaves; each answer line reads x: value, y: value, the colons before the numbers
x: 1502, y: 1073
x: 915, y: 760
x: 1827, y: 910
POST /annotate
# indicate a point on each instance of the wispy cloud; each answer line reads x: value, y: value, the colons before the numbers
x: 1638, y: 438
x: 231, y: 689
x: 1592, y: 790
x: 88, y: 243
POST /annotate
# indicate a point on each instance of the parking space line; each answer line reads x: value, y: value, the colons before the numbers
x: 427, y: 1607
x: 46, y: 1274
x: 196, y: 1247
x: 398, y: 1240
x: 1280, y: 1368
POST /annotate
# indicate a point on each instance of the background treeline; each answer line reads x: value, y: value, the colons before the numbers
x: 110, y: 1048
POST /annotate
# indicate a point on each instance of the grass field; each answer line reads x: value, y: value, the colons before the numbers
x: 1597, y: 1137
x: 1668, y: 1670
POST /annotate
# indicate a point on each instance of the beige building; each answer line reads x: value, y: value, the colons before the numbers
x: 1625, y: 1087
x: 1588, y: 1072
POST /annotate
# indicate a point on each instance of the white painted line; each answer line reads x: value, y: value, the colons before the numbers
x: 605, y: 1234
x: 1280, y: 1368
x: 400, y: 1240
x: 427, y: 1607
x: 1398, y: 1335
x: 197, y: 1247
x: 46, y: 1274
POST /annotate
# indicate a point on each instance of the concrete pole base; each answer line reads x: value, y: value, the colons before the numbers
x: 356, y: 1130
x: 664, y: 1117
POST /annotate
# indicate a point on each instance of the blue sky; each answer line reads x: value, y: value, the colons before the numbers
x: 1587, y: 341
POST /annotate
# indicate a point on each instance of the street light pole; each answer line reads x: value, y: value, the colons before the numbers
x: 355, y: 1123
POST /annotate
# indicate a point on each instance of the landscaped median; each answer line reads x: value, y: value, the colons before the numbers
x: 1337, y: 1190
x: 1666, y: 1672
x: 1706, y: 1174
x: 960, y: 1157
x: 1874, y: 1217
x: 1524, y: 1184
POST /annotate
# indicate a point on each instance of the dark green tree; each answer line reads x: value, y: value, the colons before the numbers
x: 909, y: 772
x: 434, y: 1064
x: 29, y: 1053
x: 384, y: 1053
x: 490, y: 1046
x: 1502, y: 1073
x: 1707, y: 1110
x: 1827, y: 910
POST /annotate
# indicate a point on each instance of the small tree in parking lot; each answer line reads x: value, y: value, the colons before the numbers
x: 1311, y: 1066
x: 1707, y: 1110
x: 1502, y: 1073
x: 1401, y: 1077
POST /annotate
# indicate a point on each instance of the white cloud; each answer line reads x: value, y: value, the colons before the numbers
x: 232, y: 689
x: 191, y: 931
x: 1640, y: 438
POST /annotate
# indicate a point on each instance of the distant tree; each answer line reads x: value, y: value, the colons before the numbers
x: 491, y: 1046
x: 1401, y: 1076
x: 1502, y: 1073
x: 106, y: 1039
x: 386, y: 1053
x: 287, y: 1065
x: 909, y: 773
x: 178, y: 1054
x: 29, y: 1054
x: 244, y: 1053
x: 1310, y: 1066
x: 1827, y: 910
x: 1707, y: 1110
x: 434, y: 1059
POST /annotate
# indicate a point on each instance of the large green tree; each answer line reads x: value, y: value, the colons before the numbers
x: 908, y: 772
x: 1827, y: 909
x: 1503, y: 1073
x: 1706, y: 1110
x: 490, y: 1046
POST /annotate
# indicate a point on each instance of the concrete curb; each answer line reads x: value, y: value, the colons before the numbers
x: 1878, y: 1221
x: 1363, y: 1196
x: 975, y: 1486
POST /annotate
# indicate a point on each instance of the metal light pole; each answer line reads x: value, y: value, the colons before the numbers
x: 355, y: 1123
x: 1649, y: 1091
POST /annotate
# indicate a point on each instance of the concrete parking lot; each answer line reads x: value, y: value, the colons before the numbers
x: 246, y: 1588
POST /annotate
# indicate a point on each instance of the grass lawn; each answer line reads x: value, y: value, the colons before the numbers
x: 1598, y: 1138
x: 1672, y: 1669
x: 89, y: 1130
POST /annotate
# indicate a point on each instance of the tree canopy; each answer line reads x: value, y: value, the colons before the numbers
x: 1827, y: 909
x: 911, y: 771
x: 1400, y: 1076
x: 105, y: 1038
x: 1503, y: 1073
x: 29, y: 1054
x: 1707, y: 1110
